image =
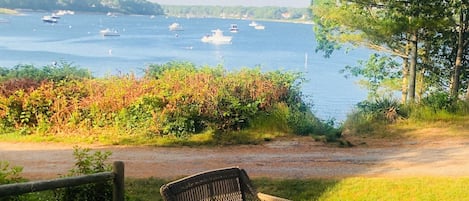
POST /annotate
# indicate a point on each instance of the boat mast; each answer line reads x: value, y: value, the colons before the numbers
x: 306, y: 60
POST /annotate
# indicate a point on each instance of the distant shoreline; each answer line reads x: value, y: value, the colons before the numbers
x: 20, y: 11
x: 265, y: 20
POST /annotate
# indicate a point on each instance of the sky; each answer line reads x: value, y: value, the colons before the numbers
x: 256, y: 3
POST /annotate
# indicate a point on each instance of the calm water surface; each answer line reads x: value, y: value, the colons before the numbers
x: 145, y: 40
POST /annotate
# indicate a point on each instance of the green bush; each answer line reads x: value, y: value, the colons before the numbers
x: 440, y: 101
x: 437, y: 106
x: 9, y: 175
x: 370, y: 115
x: 383, y: 109
x: 87, y: 163
x: 156, y: 71
x: 61, y: 71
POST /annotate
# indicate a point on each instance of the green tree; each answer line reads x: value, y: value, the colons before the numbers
x: 410, y: 29
x: 379, y: 73
x: 460, y: 26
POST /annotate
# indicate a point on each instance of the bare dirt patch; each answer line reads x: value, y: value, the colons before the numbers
x: 287, y: 158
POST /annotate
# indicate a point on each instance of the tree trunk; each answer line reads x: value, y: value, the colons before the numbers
x: 457, y: 64
x: 405, y: 74
x: 413, y: 66
x: 467, y: 93
x: 405, y: 79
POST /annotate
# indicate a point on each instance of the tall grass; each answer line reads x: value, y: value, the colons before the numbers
x: 438, y: 111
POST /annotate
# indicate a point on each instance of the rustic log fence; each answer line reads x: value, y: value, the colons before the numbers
x: 117, y: 176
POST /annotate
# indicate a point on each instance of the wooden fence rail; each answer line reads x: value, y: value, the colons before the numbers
x: 117, y: 176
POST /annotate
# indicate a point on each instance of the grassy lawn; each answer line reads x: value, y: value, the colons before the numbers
x: 349, y: 189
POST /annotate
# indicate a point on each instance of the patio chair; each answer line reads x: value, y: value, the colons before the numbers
x: 226, y: 184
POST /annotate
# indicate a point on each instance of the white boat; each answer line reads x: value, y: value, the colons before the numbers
x: 217, y: 37
x: 109, y: 32
x: 175, y: 27
x: 49, y: 19
x: 54, y: 16
x: 65, y: 12
x: 259, y: 27
x: 234, y: 28
x: 252, y: 24
x: 110, y: 14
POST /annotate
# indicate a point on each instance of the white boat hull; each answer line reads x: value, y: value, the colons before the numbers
x: 217, y: 37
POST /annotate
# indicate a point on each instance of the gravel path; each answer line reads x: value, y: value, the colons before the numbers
x: 293, y: 158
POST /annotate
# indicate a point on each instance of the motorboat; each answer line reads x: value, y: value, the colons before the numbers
x: 49, y: 19
x: 65, y: 12
x: 252, y: 24
x: 54, y: 16
x: 259, y: 27
x: 234, y: 28
x: 110, y: 14
x: 109, y: 32
x: 175, y: 27
x: 217, y: 37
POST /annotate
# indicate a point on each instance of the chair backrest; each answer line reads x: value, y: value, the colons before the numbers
x: 227, y: 184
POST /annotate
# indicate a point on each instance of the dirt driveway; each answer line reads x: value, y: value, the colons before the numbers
x: 293, y: 158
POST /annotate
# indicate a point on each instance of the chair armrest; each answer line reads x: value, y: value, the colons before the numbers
x: 267, y: 197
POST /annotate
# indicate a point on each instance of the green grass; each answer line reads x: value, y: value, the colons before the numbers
x: 441, y: 127
x: 418, y: 188
x: 114, y: 137
x: 350, y: 189
x: 143, y: 189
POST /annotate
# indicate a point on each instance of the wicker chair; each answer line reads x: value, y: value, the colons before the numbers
x: 227, y: 184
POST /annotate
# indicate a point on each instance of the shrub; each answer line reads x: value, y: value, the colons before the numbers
x: 61, y: 71
x: 87, y: 163
x: 9, y: 175
x: 369, y: 115
x: 155, y: 71
x: 437, y: 106
x: 383, y: 109
x: 172, y: 99
x: 440, y: 101
x: 9, y: 87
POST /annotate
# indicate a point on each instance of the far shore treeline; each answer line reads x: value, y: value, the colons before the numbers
x: 143, y: 7
x: 175, y: 101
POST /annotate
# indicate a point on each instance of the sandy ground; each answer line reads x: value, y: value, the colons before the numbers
x: 293, y: 158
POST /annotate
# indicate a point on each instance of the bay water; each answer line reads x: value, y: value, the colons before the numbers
x: 144, y: 40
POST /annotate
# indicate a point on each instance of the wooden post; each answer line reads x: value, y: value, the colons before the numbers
x: 118, y: 191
